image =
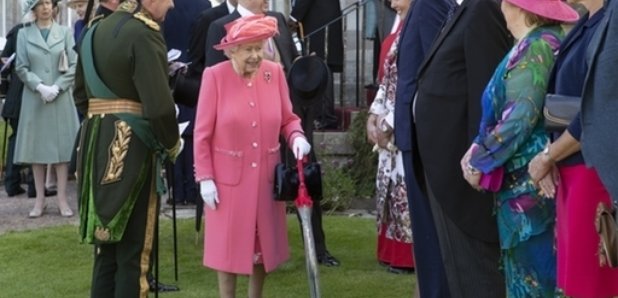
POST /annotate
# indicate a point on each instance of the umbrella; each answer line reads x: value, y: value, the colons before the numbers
x: 304, y: 205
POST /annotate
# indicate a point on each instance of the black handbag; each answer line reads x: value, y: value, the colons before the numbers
x: 559, y: 111
x: 286, y: 181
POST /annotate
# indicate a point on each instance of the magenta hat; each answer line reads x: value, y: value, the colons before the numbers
x: 551, y: 9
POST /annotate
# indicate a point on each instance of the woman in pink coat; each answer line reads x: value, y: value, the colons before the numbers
x: 242, y: 110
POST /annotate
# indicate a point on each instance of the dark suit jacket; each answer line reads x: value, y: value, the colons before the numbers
x: 422, y: 26
x: 197, y: 43
x: 178, y: 24
x: 12, y: 104
x: 314, y: 14
x: 448, y: 110
x: 283, y: 41
x: 600, y: 102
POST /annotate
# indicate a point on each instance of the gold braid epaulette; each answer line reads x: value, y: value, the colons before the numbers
x: 147, y: 20
x: 130, y: 6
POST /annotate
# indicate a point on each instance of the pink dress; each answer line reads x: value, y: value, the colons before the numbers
x: 236, y: 135
x: 579, y: 271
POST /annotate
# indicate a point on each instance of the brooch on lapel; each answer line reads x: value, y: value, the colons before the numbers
x: 267, y: 76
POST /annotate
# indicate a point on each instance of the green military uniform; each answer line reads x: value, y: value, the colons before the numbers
x: 130, y: 128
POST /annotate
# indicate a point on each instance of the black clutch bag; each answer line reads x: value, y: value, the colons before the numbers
x: 559, y: 111
x: 286, y: 181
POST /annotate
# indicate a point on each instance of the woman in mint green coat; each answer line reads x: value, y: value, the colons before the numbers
x: 48, y: 122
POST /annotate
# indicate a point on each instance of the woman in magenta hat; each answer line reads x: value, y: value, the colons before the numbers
x: 511, y: 133
x: 243, y: 109
x: 581, y: 272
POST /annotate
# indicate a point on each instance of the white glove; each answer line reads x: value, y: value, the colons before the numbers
x: 300, y: 147
x: 56, y: 91
x: 48, y: 93
x: 209, y: 193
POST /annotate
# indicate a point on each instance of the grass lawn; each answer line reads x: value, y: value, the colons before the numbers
x: 50, y: 263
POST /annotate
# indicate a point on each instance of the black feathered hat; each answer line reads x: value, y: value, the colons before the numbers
x: 307, y: 79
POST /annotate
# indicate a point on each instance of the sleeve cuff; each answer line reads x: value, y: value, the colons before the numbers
x: 575, y: 127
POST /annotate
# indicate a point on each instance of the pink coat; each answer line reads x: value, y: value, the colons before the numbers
x: 236, y: 137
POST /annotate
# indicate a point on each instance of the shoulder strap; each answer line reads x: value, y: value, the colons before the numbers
x: 93, y: 81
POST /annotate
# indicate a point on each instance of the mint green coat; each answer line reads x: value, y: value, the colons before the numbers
x: 46, y: 131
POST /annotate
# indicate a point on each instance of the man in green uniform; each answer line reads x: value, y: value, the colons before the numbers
x: 130, y: 129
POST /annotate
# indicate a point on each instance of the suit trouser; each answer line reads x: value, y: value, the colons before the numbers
x: 185, y: 188
x: 12, y: 178
x: 120, y: 268
x: 430, y: 274
x: 325, y: 110
x: 471, y: 265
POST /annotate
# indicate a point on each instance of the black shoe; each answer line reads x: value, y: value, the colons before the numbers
x: 16, y: 192
x: 161, y: 287
x: 328, y: 260
x: 48, y: 193
x: 400, y: 270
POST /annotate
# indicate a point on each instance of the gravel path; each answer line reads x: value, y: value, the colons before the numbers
x: 14, y: 211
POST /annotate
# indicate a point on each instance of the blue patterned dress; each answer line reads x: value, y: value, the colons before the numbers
x: 510, y: 135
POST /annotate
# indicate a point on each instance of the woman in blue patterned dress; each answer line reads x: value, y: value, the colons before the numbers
x: 511, y: 133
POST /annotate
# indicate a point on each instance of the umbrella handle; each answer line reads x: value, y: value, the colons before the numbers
x: 303, y: 198
x: 301, y: 173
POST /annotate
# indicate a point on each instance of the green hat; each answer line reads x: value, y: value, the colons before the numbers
x: 28, y: 5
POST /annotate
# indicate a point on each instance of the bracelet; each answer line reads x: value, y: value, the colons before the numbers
x: 472, y: 170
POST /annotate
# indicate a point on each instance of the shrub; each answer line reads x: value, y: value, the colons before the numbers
x: 338, y: 187
x: 364, y: 163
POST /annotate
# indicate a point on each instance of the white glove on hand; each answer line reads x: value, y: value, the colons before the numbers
x: 300, y: 147
x: 56, y: 90
x: 48, y: 93
x: 208, y: 190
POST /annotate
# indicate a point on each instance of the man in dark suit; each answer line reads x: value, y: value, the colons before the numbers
x: 179, y: 22
x: 287, y: 53
x: 600, y: 102
x: 197, y: 42
x: 313, y: 14
x: 421, y: 27
x: 176, y: 28
x: 446, y: 111
x: 10, y: 112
